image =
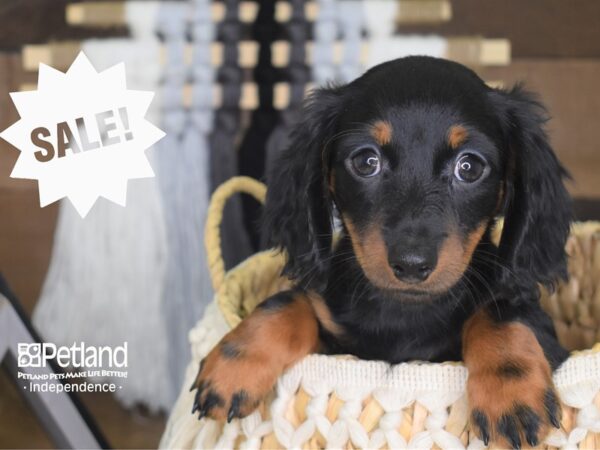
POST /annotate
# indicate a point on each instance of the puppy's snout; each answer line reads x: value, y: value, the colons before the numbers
x: 413, y: 267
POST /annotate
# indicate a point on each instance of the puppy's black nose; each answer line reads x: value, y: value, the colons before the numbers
x: 412, y: 267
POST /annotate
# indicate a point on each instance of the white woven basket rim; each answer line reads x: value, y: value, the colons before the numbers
x: 415, y: 376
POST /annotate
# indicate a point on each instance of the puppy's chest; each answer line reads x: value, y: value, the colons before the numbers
x: 396, y: 336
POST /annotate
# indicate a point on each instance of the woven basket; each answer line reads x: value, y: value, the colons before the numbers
x: 343, y: 402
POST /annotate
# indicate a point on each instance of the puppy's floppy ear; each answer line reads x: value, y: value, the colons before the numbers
x: 538, y: 208
x: 298, y: 212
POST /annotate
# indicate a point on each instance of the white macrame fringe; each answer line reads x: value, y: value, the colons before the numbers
x: 106, y: 276
x: 183, y: 172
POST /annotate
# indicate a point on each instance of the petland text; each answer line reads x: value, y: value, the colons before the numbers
x: 79, y: 355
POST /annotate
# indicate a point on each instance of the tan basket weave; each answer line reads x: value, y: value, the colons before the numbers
x: 343, y: 402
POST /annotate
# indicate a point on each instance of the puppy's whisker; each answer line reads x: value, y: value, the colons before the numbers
x: 457, y: 300
x: 333, y: 259
x: 479, y: 256
x: 471, y: 270
x: 489, y: 257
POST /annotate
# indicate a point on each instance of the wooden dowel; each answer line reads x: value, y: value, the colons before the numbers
x: 495, y: 52
x: 96, y: 14
x: 495, y: 84
x: 59, y: 55
x: 249, y: 99
x: 471, y: 51
x: 476, y: 51
x: 423, y: 11
x: 249, y: 95
x: 110, y: 14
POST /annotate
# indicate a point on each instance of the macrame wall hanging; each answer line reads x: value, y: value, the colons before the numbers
x: 105, y: 281
x: 226, y: 135
x: 350, y: 14
x: 383, y: 45
x: 335, y: 16
x: 325, y: 33
x: 183, y: 171
x: 265, y: 31
x: 297, y: 75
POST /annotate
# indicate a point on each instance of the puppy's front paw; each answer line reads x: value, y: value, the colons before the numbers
x: 232, y: 381
x: 513, y: 403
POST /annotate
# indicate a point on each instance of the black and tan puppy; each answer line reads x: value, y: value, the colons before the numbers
x: 417, y: 157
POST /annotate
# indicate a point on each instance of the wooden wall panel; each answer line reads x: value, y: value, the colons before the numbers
x: 536, y: 28
x: 40, y: 21
x: 570, y: 88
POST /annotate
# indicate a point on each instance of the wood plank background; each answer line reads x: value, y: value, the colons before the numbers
x: 536, y: 28
x: 556, y: 51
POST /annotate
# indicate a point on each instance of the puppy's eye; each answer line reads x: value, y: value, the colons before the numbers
x: 469, y: 168
x: 366, y: 163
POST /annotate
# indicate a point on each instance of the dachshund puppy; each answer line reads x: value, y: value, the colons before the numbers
x: 417, y: 158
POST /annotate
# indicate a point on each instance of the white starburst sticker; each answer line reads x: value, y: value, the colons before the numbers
x: 82, y: 134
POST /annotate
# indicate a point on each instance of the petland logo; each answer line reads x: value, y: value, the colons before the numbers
x: 79, y: 356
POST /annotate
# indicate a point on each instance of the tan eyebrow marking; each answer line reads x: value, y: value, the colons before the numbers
x: 457, y: 134
x: 382, y: 132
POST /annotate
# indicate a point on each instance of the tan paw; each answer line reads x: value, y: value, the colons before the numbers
x: 513, y: 404
x: 232, y: 381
